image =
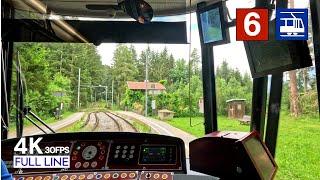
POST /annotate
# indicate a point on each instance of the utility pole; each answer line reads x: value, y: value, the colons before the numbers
x: 79, y: 88
x: 91, y: 94
x: 112, y: 94
x: 61, y: 62
x: 146, y: 104
x: 106, y: 95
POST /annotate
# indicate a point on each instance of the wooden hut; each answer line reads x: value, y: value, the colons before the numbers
x: 165, y: 114
x: 236, y: 108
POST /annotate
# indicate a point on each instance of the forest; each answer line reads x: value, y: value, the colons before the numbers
x: 49, y: 69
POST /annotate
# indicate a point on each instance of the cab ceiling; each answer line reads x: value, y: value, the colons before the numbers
x: 78, y: 7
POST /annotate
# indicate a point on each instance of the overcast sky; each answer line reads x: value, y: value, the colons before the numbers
x: 233, y: 53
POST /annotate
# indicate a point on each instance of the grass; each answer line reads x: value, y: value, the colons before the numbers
x: 78, y: 125
x: 197, y: 128
x: 141, y: 127
x: 298, y: 144
x: 298, y: 148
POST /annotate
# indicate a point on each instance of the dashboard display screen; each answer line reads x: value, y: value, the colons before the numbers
x: 260, y: 158
x: 212, y: 23
x: 157, y: 155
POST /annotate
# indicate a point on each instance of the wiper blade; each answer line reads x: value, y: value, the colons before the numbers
x: 27, y: 110
x: 34, y: 123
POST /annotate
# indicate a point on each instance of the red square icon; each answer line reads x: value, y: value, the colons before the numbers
x: 252, y: 25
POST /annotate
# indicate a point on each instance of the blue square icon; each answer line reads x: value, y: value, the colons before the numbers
x: 291, y: 24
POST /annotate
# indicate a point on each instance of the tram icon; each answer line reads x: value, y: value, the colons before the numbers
x: 296, y: 26
x: 292, y: 24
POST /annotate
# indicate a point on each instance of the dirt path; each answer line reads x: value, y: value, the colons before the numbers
x: 32, y: 130
x: 161, y: 127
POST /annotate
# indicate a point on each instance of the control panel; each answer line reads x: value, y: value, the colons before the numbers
x: 99, y: 155
x: 123, y: 175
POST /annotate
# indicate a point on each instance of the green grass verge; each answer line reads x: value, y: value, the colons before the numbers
x: 197, y: 126
x: 298, y: 148
x: 141, y: 127
x: 298, y: 144
x: 78, y: 126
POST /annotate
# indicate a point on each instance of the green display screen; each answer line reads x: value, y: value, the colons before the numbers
x: 211, y: 25
x: 157, y: 155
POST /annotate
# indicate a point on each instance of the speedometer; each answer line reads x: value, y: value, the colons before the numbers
x: 89, y: 152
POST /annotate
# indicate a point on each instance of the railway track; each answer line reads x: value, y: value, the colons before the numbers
x: 125, y: 125
x: 108, y: 122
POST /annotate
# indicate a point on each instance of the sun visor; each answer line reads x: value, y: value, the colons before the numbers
x: 132, y: 32
x: 96, y: 32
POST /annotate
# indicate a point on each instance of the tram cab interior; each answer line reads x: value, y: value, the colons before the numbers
x: 94, y: 155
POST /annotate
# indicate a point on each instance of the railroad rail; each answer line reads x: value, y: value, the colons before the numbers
x: 108, y: 121
x: 125, y: 125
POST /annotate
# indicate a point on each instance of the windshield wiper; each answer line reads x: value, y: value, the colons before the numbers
x: 27, y: 110
x: 22, y: 110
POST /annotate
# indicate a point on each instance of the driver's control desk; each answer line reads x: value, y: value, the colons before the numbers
x: 107, y: 156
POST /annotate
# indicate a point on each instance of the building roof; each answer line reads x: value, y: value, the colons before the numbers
x: 165, y: 111
x: 142, y: 85
x: 232, y: 100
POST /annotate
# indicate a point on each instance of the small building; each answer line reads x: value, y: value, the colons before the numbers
x: 236, y: 108
x: 153, y: 88
x: 165, y: 114
x: 201, y: 105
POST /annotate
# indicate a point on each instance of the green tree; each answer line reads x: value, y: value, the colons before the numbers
x: 195, y: 62
x: 123, y: 68
x: 179, y: 72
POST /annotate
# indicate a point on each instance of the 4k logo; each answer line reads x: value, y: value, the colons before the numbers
x: 21, y: 146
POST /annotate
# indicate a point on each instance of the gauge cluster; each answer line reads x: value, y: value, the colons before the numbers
x: 106, y: 151
x: 89, y: 155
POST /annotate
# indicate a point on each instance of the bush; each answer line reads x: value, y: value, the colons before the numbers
x: 138, y: 107
x: 309, y: 103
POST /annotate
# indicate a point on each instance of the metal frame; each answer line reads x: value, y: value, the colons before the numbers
x: 274, y: 112
x: 274, y: 104
x: 6, y: 73
x: 315, y: 15
x: 209, y: 84
x: 259, y: 93
x: 259, y: 101
x: 209, y: 89
x: 19, y: 99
